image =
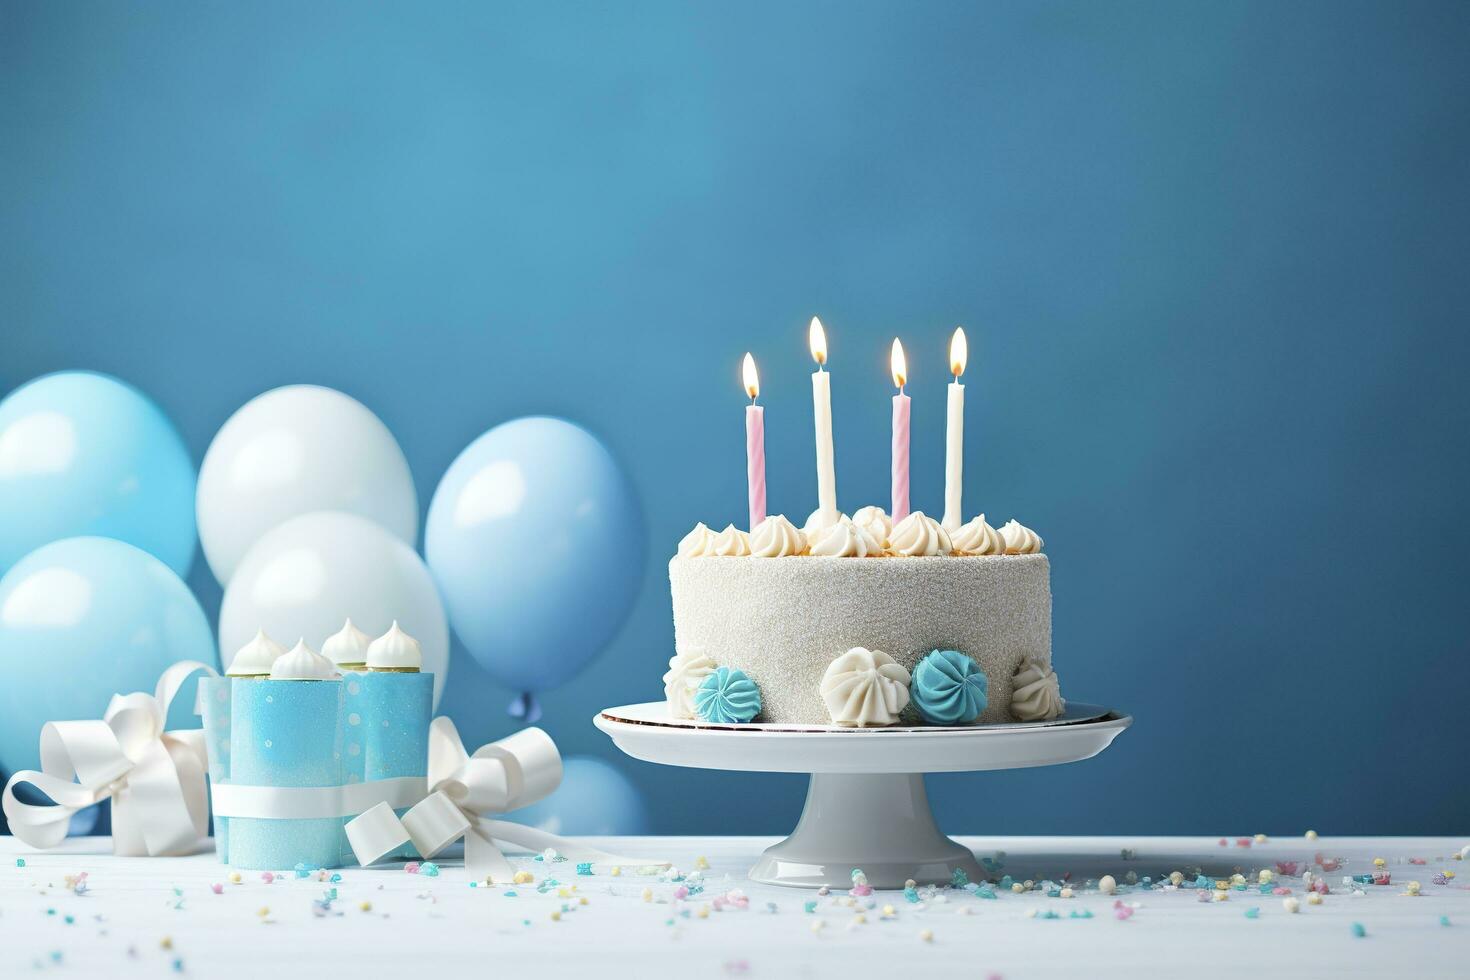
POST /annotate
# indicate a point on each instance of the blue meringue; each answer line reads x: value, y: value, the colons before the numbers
x: 948, y: 689
x: 727, y: 697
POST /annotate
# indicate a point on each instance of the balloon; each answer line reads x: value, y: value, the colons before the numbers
x: 594, y: 800
x: 82, y: 454
x: 536, y: 540
x: 292, y: 451
x: 81, y: 620
x: 304, y: 578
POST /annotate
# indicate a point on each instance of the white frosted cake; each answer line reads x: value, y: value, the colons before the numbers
x: 862, y: 623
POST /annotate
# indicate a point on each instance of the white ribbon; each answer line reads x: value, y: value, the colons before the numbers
x: 315, y: 802
x: 505, y: 775
x: 155, y: 778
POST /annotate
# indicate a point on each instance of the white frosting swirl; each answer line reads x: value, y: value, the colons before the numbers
x: 875, y: 522
x: 302, y: 663
x: 698, y: 543
x: 395, y: 650
x: 865, y: 688
x: 255, y: 658
x: 844, y: 540
x: 977, y: 538
x: 686, y: 671
x: 819, y: 520
x: 1020, y: 539
x: 776, y: 537
x: 732, y: 542
x: 1035, y: 694
x: 348, y: 647
x: 918, y: 536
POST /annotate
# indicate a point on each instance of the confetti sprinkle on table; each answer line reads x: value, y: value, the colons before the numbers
x: 1043, y: 910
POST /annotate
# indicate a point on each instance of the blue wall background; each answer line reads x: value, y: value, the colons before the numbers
x: 1210, y: 258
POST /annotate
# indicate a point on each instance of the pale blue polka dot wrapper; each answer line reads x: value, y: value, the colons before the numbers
x: 387, y: 730
x: 727, y: 697
x: 948, y: 689
x: 286, y: 733
x: 214, y: 711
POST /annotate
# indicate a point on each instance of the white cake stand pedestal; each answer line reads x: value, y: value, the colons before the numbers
x: 865, y: 806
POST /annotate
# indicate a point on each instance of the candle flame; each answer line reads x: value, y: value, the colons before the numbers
x: 817, y: 338
x: 959, y: 352
x: 900, y: 365
x: 752, y: 380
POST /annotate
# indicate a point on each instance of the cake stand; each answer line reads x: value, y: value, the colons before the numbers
x: 865, y: 806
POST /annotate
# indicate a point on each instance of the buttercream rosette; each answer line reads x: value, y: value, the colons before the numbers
x: 876, y: 522
x: 977, y: 538
x: 1020, y: 539
x: 918, y: 536
x: 687, y: 670
x: 727, y: 697
x: 1036, y: 695
x: 948, y: 688
x: 865, y: 689
x: 777, y: 537
x: 698, y: 543
x: 844, y: 540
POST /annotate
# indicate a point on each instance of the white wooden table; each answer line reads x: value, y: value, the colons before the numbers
x: 156, y: 916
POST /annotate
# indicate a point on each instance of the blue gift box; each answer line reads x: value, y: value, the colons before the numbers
x: 387, y: 733
x: 266, y: 738
x: 285, y: 733
x: 214, y: 711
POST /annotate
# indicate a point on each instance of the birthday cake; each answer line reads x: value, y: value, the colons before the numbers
x: 865, y: 621
x: 862, y: 623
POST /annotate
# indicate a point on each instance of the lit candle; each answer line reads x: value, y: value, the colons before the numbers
x: 900, y: 366
x: 954, y: 445
x: 755, y: 444
x: 826, y: 513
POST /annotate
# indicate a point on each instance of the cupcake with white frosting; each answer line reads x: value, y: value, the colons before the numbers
x: 348, y: 647
x: 255, y: 658
x: 395, y: 651
x: 302, y: 663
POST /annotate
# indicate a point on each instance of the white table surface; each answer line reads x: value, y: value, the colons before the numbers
x: 416, y: 924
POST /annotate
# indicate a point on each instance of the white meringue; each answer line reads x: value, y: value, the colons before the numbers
x: 395, y: 650
x: 865, y: 688
x: 255, y: 658
x: 302, y: 663
x: 347, y: 647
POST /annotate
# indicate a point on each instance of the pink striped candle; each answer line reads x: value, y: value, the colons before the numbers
x: 755, y: 446
x: 900, y: 505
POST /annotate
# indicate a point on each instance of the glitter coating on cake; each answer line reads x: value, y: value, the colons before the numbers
x: 784, y: 620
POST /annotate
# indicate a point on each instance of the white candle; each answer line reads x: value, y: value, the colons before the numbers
x: 826, y: 513
x: 954, y: 443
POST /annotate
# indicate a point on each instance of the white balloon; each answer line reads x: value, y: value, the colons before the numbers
x: 292, y: 451
x: 306, y: 577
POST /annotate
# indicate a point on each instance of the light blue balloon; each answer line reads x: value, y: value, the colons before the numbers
x: 594, y: 800
x: 536, y: 539
x: 81, y: 620
x: 84, y: 453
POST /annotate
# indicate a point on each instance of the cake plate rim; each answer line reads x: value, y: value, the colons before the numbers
x: 866, y: 804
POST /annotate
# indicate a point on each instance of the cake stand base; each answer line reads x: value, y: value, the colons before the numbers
x: 866, y: 806
x: 897, y: 837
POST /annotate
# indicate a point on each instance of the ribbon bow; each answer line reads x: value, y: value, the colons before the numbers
x: 155, y: 778
x: 504, y: 775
